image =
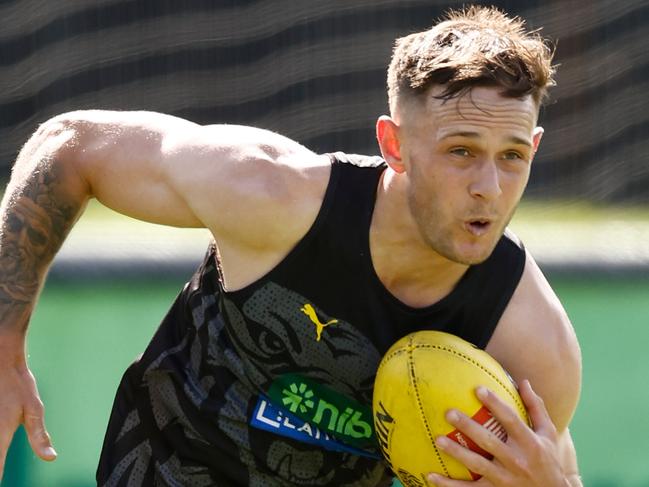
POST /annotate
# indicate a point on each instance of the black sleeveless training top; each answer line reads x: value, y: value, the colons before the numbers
x: 271, y: 385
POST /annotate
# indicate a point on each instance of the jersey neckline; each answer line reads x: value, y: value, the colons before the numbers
x: 456, y: 293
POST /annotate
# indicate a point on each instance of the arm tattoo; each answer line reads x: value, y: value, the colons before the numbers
x: 38, y: 215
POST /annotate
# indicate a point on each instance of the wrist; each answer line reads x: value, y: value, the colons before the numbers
x: 12, y: 349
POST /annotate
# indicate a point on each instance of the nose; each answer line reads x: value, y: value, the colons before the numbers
x: 485, y: 182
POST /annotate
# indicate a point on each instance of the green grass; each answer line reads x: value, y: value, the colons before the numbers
x: 610, y: 429
x: 81, y: 340
x: 84, y: 335
x: 577, y: 210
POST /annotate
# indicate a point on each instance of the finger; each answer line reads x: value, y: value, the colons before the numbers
x: 6, y: 434
x: 37, y: 434
x: 485, y: 438
x: 3, y: 456
x: 475, y: 462
x: 441, y: 481
x: 506, y: 416
x: 535, y: 405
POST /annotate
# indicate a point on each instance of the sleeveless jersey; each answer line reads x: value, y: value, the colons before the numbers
x: 271, y: 385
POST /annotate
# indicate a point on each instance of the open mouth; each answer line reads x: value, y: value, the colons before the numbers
x: 478, y: 227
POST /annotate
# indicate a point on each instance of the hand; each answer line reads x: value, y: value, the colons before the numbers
x: 529, y: 458
x: 21, y: 404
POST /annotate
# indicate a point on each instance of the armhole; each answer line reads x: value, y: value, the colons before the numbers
x: 323, y: 212
x: 509, y: 287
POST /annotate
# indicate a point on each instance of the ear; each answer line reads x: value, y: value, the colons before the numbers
x: 536, y: 139
x: 387, y: 135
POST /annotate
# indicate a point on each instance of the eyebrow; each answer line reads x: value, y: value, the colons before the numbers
x: 475, y: 135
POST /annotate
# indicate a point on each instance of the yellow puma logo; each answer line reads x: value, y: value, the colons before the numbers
x: 319, y: 326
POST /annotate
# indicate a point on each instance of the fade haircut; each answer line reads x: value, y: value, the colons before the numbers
x: 476, y: 46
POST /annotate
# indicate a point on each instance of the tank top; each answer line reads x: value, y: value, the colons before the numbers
x: 271, y: 385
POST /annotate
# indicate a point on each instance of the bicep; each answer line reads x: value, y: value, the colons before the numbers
x: 162, y: 169
x: 121, y: 156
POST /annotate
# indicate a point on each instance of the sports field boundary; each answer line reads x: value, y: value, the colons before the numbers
x: 99, y: 248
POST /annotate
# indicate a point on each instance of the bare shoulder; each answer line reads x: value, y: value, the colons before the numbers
x: 238, y: 181
x: 257, y: 191
x: 535, y: 340
x: 250, y: 185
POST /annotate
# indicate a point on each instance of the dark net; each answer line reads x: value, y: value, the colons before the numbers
x: 315, y: 71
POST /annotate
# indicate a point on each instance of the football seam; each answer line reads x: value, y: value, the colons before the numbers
x: 477, y: 364
x: 411, y: 370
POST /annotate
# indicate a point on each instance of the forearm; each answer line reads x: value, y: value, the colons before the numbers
x: 575, y: 481
x: 568, y: 456
x: 42, y: 201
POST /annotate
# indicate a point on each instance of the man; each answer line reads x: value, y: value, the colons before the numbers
x: 262, y: 372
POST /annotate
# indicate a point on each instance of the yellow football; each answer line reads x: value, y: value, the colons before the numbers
x: 421, y: 377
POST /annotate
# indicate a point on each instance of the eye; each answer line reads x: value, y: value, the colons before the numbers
x: 460, y: 151
x: 512, y: 155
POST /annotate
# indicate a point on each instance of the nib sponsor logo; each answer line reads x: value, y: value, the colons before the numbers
x: 332, y: 412
x: 298, y: 398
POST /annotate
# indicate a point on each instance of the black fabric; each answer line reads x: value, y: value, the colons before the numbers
x: 306, y: 339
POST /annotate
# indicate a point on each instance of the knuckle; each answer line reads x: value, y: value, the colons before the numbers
x: 44, y: 437
x: 539, y: 401
x: 479, y: 464
x: 38, y: 406
x: 35, y: 407
x: 511, y: 482
x: 552, y: 429
x: 40, y: 436
x: 522, y: 465
x: 462, y: 421
x: 492, y: 443
x: 537, y: 447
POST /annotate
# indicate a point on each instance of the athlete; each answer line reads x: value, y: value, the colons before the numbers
x: 261, y: 374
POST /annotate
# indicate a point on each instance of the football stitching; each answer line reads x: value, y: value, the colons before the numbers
x: 411, y: 369
x: 477, y: 364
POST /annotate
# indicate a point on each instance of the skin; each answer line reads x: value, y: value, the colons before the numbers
x: 259, y: 193
x: 451, y: 163
x: 455, y: 182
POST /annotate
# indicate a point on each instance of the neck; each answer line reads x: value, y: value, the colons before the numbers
x: 404, y: 262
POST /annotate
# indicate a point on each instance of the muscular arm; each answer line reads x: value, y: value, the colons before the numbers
x: 148, y: 166
x: 40, y: 205
x: 535, y: 341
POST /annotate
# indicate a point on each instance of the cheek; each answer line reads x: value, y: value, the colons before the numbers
x: 439, y: 191
x: 513, y: 184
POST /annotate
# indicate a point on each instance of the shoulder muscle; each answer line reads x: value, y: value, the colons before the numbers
x: 535, y: 340
x: 249, y: 186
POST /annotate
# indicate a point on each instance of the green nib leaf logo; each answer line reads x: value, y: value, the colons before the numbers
x: 298, y: 397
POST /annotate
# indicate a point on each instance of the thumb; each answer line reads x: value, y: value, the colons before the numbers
x: 38, y: 437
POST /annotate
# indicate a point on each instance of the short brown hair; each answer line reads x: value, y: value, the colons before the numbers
x: 477, y: 46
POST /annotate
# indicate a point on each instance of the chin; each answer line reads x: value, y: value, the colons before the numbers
x: 465, y: 259
x: 470, y: 256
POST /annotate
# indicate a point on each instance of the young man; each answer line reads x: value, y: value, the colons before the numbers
x: 262, y: 372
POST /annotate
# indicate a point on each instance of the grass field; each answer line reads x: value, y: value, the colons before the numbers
x: 85, y: 335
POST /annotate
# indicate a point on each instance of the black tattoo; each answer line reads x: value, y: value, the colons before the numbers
x: 38, y: 215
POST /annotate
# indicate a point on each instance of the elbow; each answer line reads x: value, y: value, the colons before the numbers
x: 63, y: 140
x: 55, y: 150
x: 59, y: 136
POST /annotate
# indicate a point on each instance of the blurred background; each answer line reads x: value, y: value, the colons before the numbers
x: 315, y: 71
